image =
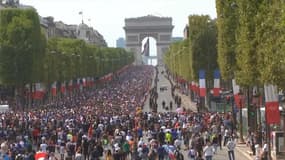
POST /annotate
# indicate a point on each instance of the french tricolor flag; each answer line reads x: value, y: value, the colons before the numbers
x: 216, y: 90
x: 236, y: 91
x: 202, y: 83
x: 62, y: 87
x: 53, y: 88
x: 272, y: 112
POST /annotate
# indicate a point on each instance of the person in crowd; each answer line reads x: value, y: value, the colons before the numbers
x: 231, y: 147
x: 108, y: 120
x: 192, y: 154
x: 208, y: 151
x: 78, y: 155
x: 264, y: 152
x: 109, y: 155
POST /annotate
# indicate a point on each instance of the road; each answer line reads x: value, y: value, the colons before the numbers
x: 166, y: 96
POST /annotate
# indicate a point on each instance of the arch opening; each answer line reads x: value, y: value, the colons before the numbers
x: 149, y: 51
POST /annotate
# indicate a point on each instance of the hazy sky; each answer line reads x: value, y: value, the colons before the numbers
x: 107, y: 16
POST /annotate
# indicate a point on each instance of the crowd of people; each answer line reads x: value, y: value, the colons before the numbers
x: 63, y: 126
x: 108, y: 123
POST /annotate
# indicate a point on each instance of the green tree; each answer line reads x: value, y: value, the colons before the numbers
x: 246, y: 57
x: 270, y: 42
x: 22, y: 47
x: 227, y: 23
x: 203, y: 42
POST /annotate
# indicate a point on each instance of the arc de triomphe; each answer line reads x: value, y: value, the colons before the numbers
x: 136, y: 29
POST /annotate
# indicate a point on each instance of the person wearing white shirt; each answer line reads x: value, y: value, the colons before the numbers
x: 264, y: 151
x: 257, y: 152
x: 208, y: 151
x: 231, y: 146
x: 43, y: 147
x: 177, y: 143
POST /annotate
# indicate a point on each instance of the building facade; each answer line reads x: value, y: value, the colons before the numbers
x: 59, y: 29
x: 121, y: 43
x: 81, y: 31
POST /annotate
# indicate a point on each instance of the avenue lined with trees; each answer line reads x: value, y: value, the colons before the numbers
x: 27, y: 57
x: 246, y: 43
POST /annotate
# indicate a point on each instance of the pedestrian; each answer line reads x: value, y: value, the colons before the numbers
x: 215, y: 142
x: 264, y: 154
x: 109, y: 155
x: 208, y: 151
x: 231, y: 147
x: 161, y: 152
x: 192, y: 154
x: 257, y: 152
x: 78, y: 155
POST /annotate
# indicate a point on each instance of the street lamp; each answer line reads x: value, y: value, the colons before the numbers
x: 257, y: 105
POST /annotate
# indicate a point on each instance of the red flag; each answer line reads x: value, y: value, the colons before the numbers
x: 272, y: 112
x: 53, y: 88
x: 236, y: 91
x: 39, y: 91
x: 62, y: 87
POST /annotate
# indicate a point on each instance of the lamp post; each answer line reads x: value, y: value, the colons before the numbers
x: 257, y: 118
x: 234, y: 114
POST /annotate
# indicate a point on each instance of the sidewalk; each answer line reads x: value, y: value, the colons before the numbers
x: 244, y: 150
x: 185, y: 100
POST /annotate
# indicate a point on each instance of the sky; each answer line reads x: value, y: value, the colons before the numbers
x: 107, y: 16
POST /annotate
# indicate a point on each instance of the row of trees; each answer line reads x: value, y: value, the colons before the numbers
x: 251, y: 41
x: 198, y: 51
x: 26, y: 56
x: 246, y: 43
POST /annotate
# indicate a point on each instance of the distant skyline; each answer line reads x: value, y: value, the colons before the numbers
x: 108, y: 16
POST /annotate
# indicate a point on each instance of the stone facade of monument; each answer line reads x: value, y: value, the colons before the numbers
x: 136, y: 29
